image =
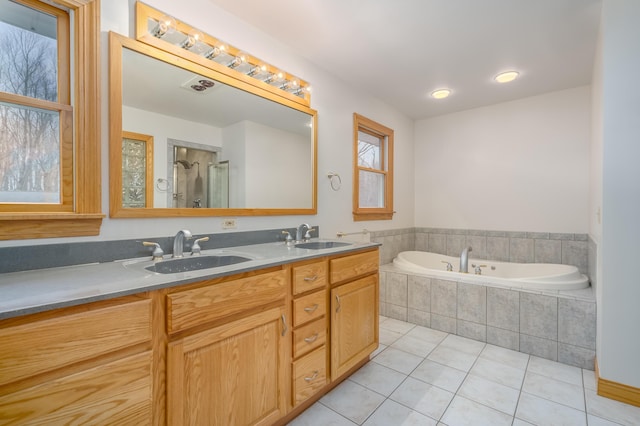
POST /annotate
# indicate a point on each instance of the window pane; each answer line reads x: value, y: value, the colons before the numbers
x: 369, y: 151
x: 29, y: 155
x: 28, y: 52
x: 371, y: 190
x: 134, y: 173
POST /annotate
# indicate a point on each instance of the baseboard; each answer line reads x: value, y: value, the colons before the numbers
x: 617, y: 391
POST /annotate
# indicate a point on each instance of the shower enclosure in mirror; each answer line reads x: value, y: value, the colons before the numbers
x: 222, y: 147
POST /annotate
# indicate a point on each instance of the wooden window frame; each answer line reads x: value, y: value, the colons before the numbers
x: 361, y: 123
x: 79, y: 213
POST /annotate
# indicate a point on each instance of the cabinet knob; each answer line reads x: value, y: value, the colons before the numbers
x: 284, y: 325
x: 311, y: 279
x: 338, y: 303
x: 311, y: 339
x: 310, y: 309
x: 315, y: 375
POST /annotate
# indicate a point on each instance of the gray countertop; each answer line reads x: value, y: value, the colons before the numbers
x: 27, y: 292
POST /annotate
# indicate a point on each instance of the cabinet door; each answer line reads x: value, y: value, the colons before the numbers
x: 233, y: 374
x: 354, y: 323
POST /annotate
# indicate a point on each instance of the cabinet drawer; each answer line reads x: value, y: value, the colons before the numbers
x: 309, y: 375
x: 309, y: 277
x: 345, y: 268
x: 309, y: 337
x: 48, y: 344
x: 309, y: 307
x: 198, y: 306
x: 115, y: 393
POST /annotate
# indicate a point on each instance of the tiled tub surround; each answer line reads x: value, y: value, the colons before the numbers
x: 559, y: 326
x: 504, y: 246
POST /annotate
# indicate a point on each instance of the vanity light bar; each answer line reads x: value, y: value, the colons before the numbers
x: 178, y: 34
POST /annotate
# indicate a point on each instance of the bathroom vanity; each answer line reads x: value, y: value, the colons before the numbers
x: 254, y: 346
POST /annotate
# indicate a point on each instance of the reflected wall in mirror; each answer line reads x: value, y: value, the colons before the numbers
x: 223, y: 147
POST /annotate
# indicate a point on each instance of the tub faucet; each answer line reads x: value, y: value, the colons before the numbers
x: 464, y: 260
x: 178, y: 242
x: 301, y: 232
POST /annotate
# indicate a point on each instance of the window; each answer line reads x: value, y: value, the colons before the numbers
x: 373, y: 170
x: 49, y: 119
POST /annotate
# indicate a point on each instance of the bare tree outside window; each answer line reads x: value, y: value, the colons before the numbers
x: 29, y: 135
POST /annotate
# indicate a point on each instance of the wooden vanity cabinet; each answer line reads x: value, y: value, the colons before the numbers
x: 309, y: 307
x: 354, y: 310
x: 91, y: 364
x: 233, y: 371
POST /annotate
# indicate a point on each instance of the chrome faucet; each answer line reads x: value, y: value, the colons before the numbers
x: 464, y: 260
x: 178, y: 242
x: 302, y: 231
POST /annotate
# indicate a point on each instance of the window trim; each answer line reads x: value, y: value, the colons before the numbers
x: 361, y: 123
x: 85, y: 217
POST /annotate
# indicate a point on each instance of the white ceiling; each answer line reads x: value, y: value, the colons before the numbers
x: 402, y: 50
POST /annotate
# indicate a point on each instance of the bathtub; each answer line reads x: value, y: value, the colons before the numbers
x: 540, y: 276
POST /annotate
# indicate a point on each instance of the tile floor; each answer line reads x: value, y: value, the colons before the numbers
x: 421, y: 376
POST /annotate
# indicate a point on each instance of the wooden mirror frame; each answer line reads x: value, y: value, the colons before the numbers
x: 116, y: 45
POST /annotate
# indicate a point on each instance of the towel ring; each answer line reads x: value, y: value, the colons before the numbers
x: 161, y: 181
x: 334, y: 180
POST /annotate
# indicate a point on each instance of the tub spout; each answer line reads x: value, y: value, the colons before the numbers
x: 464, y: 260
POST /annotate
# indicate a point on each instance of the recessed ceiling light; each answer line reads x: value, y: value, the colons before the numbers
x: 440, y: 93
x: 505, y: 77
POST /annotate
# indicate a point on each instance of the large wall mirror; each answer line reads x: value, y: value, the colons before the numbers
x: 221, y: 147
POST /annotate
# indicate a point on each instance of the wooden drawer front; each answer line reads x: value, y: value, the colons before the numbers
x: 193, y: 307
x: 309, y: 277
x: 309, y: 337
x: 115, y: 393
x: 309, y: 375
x: 309, y: 307
x: 45, y: 345
x: 345, y: 268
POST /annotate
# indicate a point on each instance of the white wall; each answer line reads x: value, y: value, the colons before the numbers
x: 334, y: 100
x: 619, y: 315
x: 515, y: 166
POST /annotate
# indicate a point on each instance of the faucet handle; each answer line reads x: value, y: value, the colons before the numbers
x: 288, y: 240
x: 307, y: 235
x: 449, y: 265
x: 478, y: 269
x: 157, y: 251
x: 195, y: 248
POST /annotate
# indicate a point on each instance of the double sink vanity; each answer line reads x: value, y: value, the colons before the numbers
x: 243, y: 335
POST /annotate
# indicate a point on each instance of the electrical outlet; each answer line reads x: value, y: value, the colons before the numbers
x: 229, y: 224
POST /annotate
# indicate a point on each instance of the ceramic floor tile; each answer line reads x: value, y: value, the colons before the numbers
x: 505, y: 356
x: 597, y: 421
x: 462, y: 344
x: 589, y: 379
x: 611, y: 410
x: 540, y: 411
x: 555, y: 370
x: 554, y: 390
x: 452, y: 358
x: 464, y: 412
x: 422, y: 397
x: 498, y: 373
x: 353, y: 401
x: 382, y: 319
x: 396, y: 325
x: 319, y: 414
x: 398, y: 360
x: 414, y: 345
x: 378, y: 378
x: 439, y: 375
x: 392, y: 413
x: 518, y: 422
x: 427, y: 334
x: 491, y: 394
x: 387, y: 337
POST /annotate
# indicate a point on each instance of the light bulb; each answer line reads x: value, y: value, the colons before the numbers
x: 192, y: 39
x: 440, y: 93
x: 260, y: 68
x: 165, y: 24
x: 506, y: 77
x: 241, y: 58
x: 276, y: 76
